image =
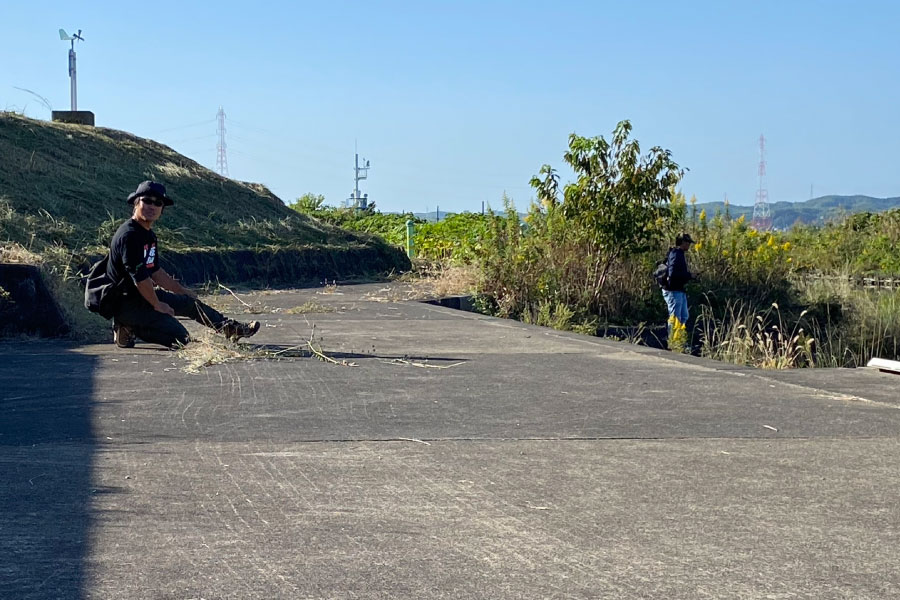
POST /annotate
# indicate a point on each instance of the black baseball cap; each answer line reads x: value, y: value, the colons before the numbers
x: 150, y: 188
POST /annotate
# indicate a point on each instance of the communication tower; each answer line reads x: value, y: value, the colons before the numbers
x: 762, y: 217
x: 356, y: 200
x: 221, y: 157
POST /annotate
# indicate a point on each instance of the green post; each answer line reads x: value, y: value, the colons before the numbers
x: 410, y: 233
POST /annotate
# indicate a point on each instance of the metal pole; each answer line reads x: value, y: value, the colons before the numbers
x: 410, y: 234
x: 73, y: 77
x: 356, y: 180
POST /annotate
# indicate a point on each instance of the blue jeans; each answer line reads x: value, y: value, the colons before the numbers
x: 677, y: 305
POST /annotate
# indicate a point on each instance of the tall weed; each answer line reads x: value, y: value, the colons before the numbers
x: 764, y: 340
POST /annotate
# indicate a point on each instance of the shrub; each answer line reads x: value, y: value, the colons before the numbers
x: 459, y: 238
x: 390, y: 227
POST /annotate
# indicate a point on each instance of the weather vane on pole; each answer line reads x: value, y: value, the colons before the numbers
x: 72, y: 75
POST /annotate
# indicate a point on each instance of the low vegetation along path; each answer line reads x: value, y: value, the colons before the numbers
x: 431, y: 453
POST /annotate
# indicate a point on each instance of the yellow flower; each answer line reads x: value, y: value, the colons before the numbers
x: 678, y: 339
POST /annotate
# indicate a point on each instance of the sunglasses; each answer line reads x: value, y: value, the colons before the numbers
x: 153, y: 201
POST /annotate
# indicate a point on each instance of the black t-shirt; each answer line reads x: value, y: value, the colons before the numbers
x: 132, y: 254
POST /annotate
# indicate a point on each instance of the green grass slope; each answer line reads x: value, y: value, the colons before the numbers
x: 65, y: 185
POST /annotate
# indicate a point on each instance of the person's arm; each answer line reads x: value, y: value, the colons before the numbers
x: 145, y: 288
x: 167, y: 282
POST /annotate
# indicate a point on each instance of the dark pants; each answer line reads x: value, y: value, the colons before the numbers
x: 159, y: 328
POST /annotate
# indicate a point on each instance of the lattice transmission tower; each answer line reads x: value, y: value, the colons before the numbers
x: 221, y: 157
x: 762, y: 217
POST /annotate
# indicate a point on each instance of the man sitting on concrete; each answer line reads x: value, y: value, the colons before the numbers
x: 151, y: 298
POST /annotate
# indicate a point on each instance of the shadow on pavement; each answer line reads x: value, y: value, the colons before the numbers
x: 303, y: 351
x: 47, y: 451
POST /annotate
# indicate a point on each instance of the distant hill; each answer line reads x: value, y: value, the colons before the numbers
x: 816, y: 211
x: 785, y: 215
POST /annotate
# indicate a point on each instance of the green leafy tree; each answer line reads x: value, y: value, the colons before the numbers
x: 308, y: 203
x: 618, y: 204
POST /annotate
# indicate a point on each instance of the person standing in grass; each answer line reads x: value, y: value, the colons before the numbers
x: 677, y: 276
x: 150, y: 297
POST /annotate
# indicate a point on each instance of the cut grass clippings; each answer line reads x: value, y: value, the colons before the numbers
x: 208, y: 349
x: 310, y: 307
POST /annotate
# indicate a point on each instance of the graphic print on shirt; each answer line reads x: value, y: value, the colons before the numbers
x: 150, y: 255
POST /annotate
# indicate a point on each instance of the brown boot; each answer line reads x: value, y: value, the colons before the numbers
x: 123, y: 336
x: 235, y: 330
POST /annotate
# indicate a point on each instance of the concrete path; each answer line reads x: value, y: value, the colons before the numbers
x: 463, y: 457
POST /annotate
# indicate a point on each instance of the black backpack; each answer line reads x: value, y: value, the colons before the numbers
x: 101, y: 294
x: 661, y: 272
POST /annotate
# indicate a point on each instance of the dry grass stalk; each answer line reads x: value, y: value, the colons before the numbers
x: 207, y: 349
x: 392, y: 294
x: 215, y: 301
x: 421, y: 365
x: 318, y: 353
x: 762, y: 340
x: 310, y: 307
x: 453, y: 280
x: 418, y: 441
x: 430, y: 281
x: 235, y: 295
x: 12, y: 252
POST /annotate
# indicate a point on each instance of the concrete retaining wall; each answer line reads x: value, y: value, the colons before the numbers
x: 282, y: 267
x: 76, y: 117
x: 28, y: 308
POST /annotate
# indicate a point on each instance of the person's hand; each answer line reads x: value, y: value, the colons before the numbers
x: 165, y: 309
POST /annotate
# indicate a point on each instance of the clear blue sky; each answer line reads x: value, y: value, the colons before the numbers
x: 456, y: 102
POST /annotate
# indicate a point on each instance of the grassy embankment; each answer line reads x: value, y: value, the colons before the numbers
x: 62, y: 195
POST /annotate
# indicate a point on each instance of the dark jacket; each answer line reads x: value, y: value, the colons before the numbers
x: 678, y: 270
